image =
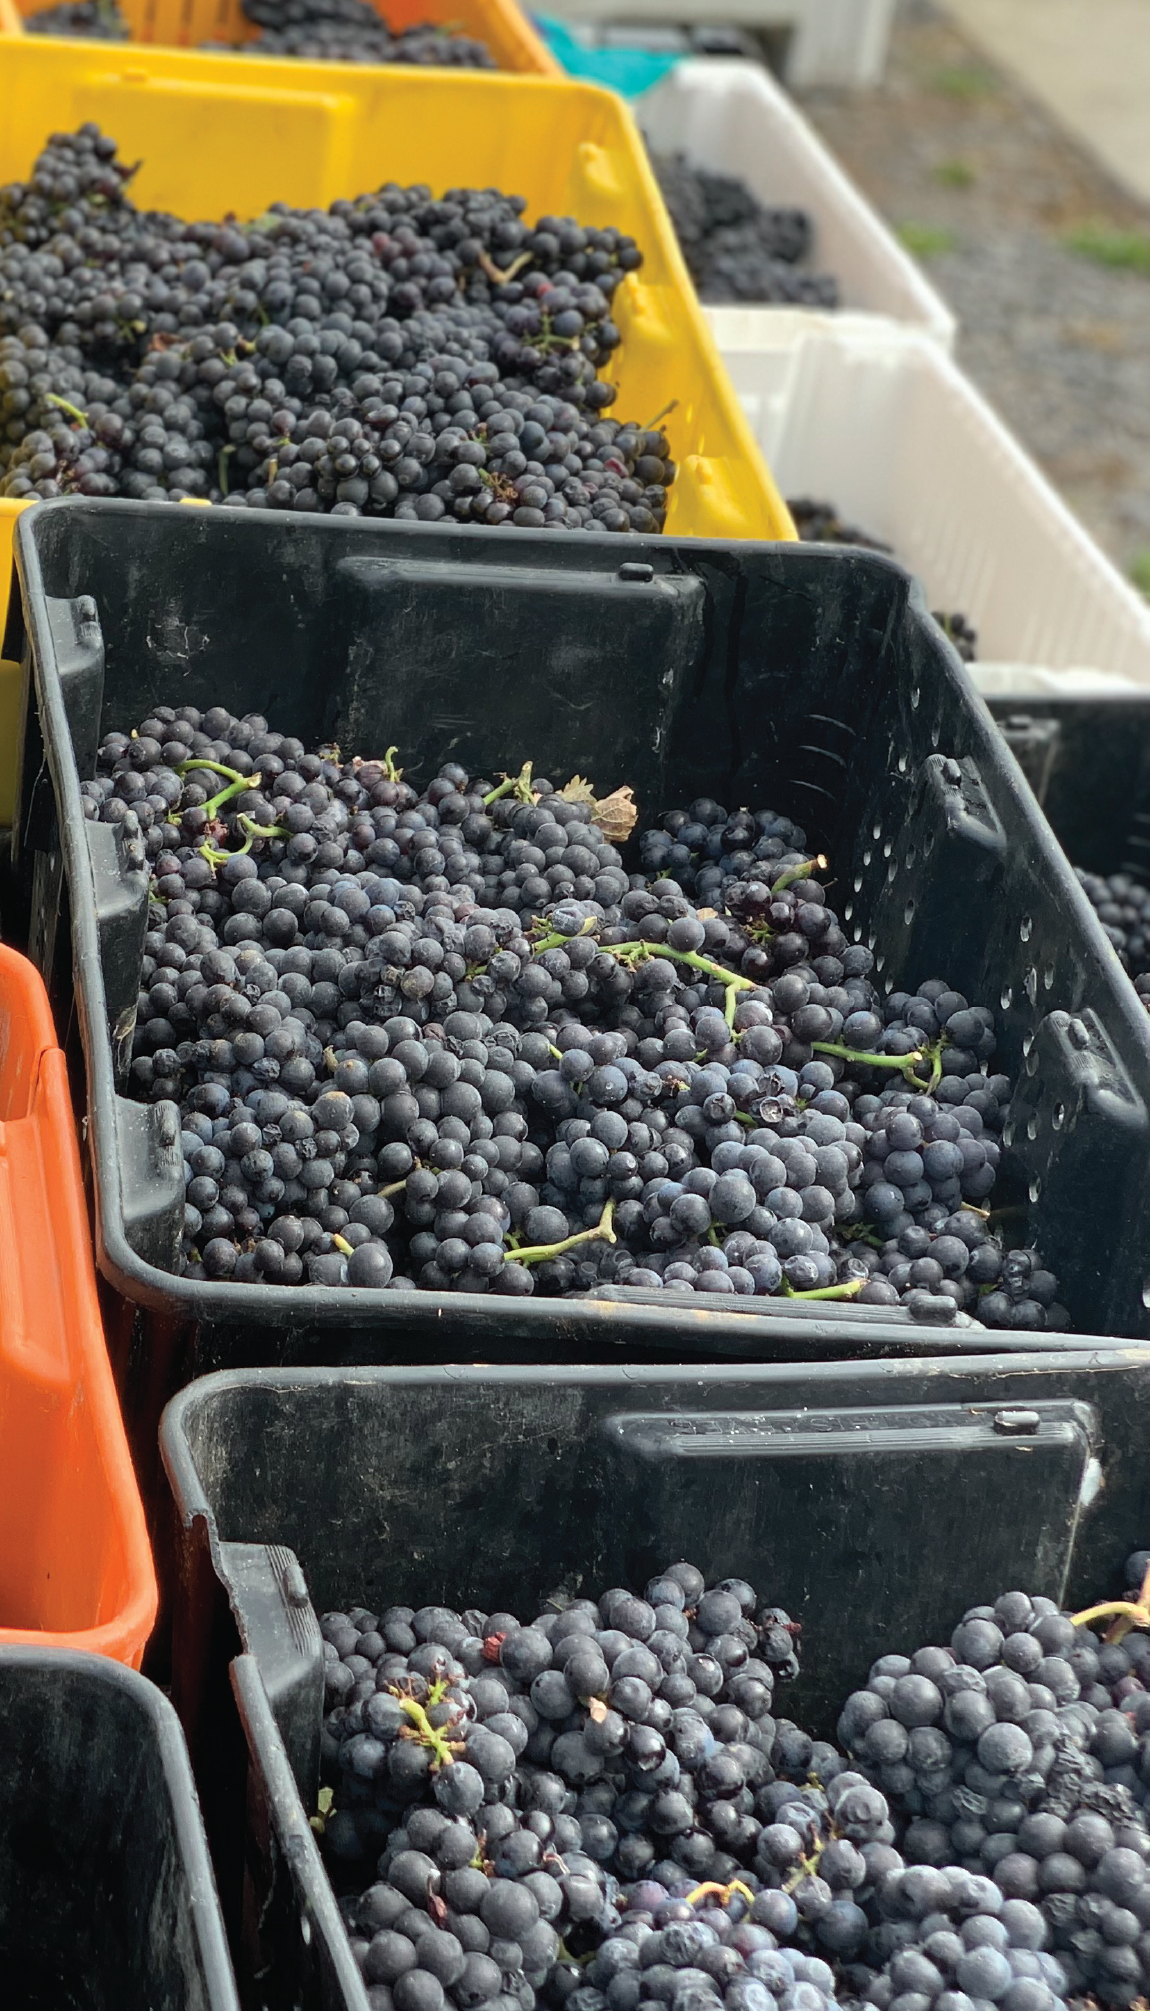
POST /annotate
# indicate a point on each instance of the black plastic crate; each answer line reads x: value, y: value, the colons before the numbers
x: 874, y: 1500
x: 809, y: 679
x: 1087, y: 760
x: 107, y: 1899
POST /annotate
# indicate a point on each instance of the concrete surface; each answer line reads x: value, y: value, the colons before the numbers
x: 1088, y: 61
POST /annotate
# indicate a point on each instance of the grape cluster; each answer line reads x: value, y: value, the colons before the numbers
x: 602, y: 1809
x: 93, y: 20
x: 396, y: 355
x: 446, y: 1039
x: 1022, y: 1753
x: 1122, y: 905
x: 317, y: 31
x: 735, y: 247
x: 820, y: 524
x: 353, y: 31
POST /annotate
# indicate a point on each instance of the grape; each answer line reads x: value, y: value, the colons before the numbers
x: 753, y: 1862
x: 396, y: 355
x: 1122, y: 904
x: 735, y: 248
x: 443, y: 1039
x: 344, y: 31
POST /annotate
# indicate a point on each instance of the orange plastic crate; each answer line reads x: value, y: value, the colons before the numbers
x: 185, y: 24
x: 75, y: 1564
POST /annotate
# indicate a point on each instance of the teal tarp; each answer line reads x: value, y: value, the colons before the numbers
x: 628, y: 71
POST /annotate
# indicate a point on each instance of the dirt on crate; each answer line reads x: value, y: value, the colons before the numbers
x: 1045, y: 259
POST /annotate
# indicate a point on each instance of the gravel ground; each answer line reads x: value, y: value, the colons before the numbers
x: 988, y: 190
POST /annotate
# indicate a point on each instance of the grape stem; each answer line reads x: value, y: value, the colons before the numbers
x: 217, y: 768
x: 636, y: 953
x: 62, y: 405
x: 800, y: 872
x: 253, y: 830
x: 1126, y: 1613
x: 721, y: 1892
x: 392, y: 773
x: 540, y: 1253
x: 905, y: 1063
x: 850, y: 1290
x: 424, y: 1732
x: 518, y: 785
x: 807, y: 1866
x: 341, y: 1243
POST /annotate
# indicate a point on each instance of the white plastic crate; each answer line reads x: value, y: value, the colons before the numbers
x: 879, y: 422
x: 731, y: 117
x: 836, y: 42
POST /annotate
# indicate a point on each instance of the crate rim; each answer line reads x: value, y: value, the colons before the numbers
x: 190, y: 1496
x: 321, y: 1307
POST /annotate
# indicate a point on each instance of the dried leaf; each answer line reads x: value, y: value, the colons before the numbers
x: 577, y: 791
x: 617, y: 814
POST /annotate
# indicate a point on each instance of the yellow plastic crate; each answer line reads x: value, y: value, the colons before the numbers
x: 216, y: 136
x: 184, y: 24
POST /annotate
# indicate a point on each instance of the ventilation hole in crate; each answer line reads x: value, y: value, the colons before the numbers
x: 1031, y: 983
x: 888, y: 848
x: 1048, y: 978
x: 928, y: 844
x: 876, y: 830
x: 848, y: 910
x: 1006, y: 997
x: 902, y: 764
x: 1027, y: 1042
x: 908, y: 911
x: 1030, y: 1061
x: 1032, y: 1125
x: 888, y: 986
x: 1024, y: 929
x: 868, y: 855
x: 1008, y: 1132
x: 1035, y: 1188
x: 880, y: 962
x: 911, y: 856
x: 1058, y: 1117
x: 858, y: 883
x: 1146, y: 1293
x: 915, y: 695
x: 936, y: 729
x: 892, y: 873
x: 870, y: 941
x: 858, y: 932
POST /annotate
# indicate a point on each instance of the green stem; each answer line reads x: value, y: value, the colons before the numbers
x: 540, y: 1253
x: 905, y: 1063
x: 847, y: 1291
x: 801, y: 872
x: 519, y: 785
x: 217, y: 768
x: 935, y: 1077
x: 443, y: 1749
x: 341, y: 1243
x: 392, y: 773
x: 254, y: 830
x: 639, y: 952
x: 62, y: 405
x: 556, y: 941
x: 235, y: 788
